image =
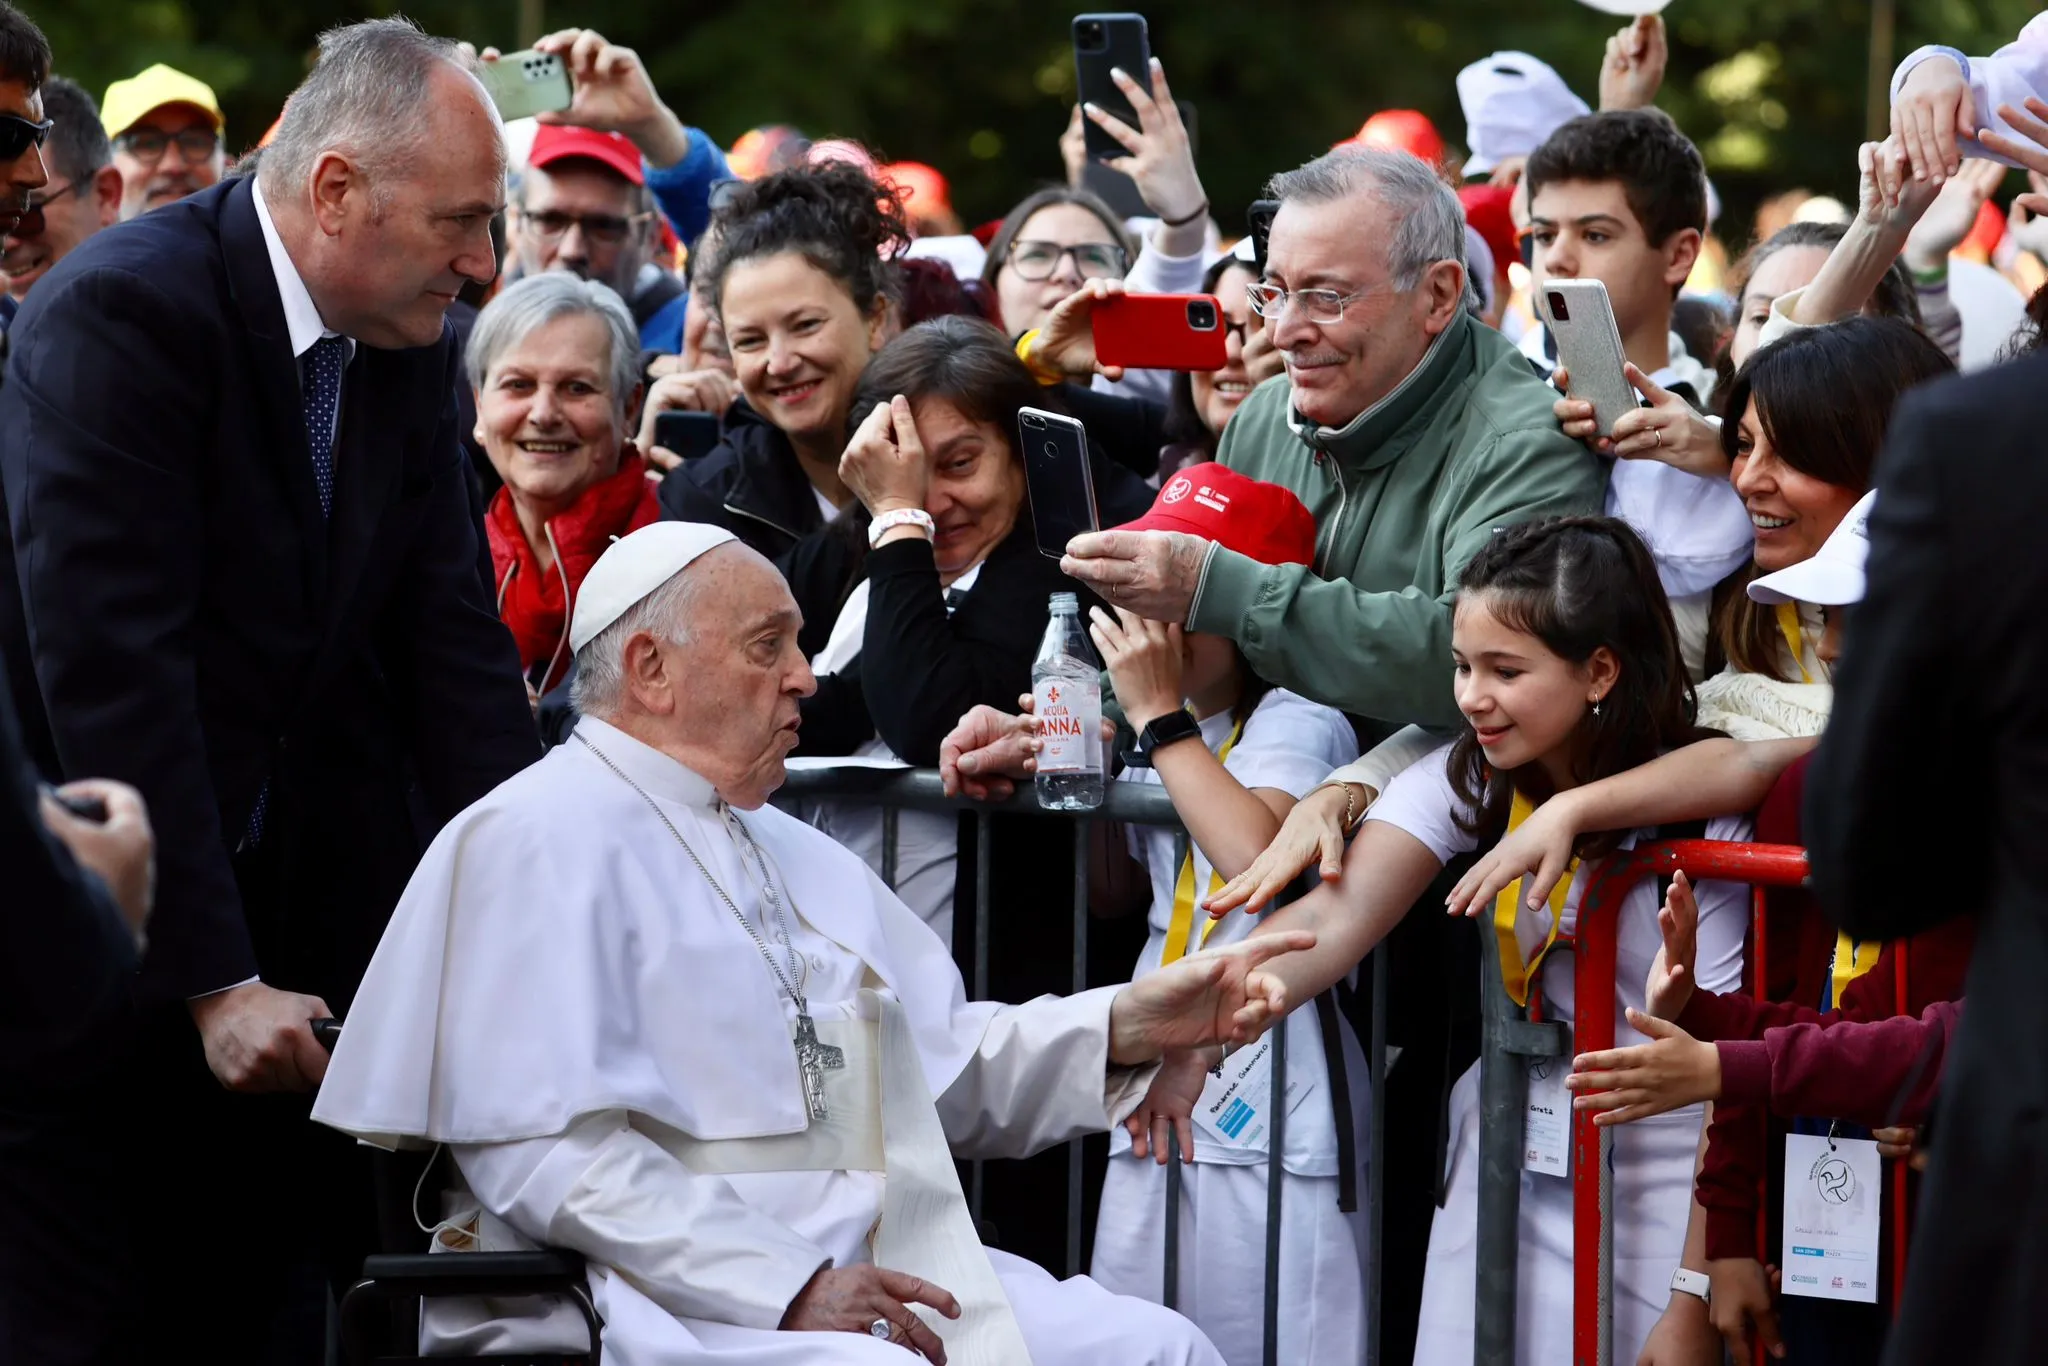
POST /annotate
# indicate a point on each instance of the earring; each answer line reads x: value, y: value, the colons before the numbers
x: 1596, y: 707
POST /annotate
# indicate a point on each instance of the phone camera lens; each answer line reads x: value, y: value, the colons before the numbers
x: 1558, y: 312
x: 1052, y: 452
x: 1202, y: 315
x: 1092, y: 37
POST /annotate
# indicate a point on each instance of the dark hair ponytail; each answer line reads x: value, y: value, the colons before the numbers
x: 832, y: 214
x: 1580, y: 584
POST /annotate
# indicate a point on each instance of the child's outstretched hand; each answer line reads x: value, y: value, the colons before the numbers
x: 1169, y: 1106
x: 1144, y: 662
x: 1669, y: 988
x: 1621, y: 1085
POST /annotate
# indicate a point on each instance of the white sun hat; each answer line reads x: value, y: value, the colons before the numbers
x: 1833, y: 576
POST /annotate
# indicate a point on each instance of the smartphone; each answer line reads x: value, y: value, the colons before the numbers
x: 1160, y: 332
x: 1581, y: 322
x: 1259, y: 218
x: 326, y: 1032
x: 690, y: 435
x: 1103, y: 41
x: 523, y: 84
x: 1056, y: 478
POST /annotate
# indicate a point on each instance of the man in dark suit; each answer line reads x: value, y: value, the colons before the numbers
x: 244, y: 577
x: 1928, y: 798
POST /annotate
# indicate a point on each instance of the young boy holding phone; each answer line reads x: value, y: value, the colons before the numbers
x: 1621, y: 197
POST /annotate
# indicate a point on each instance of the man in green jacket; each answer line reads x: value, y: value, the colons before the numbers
x: 1410, y: 430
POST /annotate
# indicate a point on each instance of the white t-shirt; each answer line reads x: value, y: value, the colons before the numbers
x: 1422, y: 803
x: 1291, y: 744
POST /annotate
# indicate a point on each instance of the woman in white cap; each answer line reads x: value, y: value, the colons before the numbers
x: 1806, y: 418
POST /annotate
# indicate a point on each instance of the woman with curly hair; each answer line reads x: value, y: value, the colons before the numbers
x: 803, y: 280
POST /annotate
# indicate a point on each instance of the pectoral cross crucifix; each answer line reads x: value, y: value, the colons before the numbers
x: 813, y: 1060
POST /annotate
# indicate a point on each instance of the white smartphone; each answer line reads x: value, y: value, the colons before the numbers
x: 1581, y: 321
x: 523, y: 84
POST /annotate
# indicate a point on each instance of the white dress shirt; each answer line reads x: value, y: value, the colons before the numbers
x: 302, y: 320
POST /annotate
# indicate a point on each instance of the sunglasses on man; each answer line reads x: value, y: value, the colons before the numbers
x: 18, y: 134
x: 148, y: 145
x: 32, y: 222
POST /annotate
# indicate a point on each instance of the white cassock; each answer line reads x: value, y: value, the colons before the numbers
x: 565, y: 1001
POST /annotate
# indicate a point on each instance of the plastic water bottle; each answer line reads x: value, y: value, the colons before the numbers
x: 1066, y: 687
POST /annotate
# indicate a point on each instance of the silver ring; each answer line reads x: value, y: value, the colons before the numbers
x: 882, y: 1328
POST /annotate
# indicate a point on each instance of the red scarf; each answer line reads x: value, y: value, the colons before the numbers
x: 531, y: 602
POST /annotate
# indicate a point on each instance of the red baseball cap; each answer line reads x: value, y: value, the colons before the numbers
x: 560, y: 141
x: 1262, y: 521
x: 1486, y: 209
x: 1402, y: 130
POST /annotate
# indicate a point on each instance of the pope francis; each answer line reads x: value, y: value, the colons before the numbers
x: 662, y: 1024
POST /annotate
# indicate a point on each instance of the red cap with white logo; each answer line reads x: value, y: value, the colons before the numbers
x: 1261, y: 521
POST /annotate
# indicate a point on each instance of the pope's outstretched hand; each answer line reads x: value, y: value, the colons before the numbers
x: 1216, y: 996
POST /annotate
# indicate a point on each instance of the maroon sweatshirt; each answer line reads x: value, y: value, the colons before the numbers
x: 1874, y: 1073
x: 1736, y: 1168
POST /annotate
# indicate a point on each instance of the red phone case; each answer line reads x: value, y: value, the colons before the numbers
x: 1152, y: 332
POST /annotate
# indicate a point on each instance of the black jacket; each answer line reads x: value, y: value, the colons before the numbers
x: 1928, y: 799
x: 190, y: 623
x: 750, y: 483
x: 920, y: 668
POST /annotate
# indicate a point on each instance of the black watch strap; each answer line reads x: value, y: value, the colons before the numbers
x: 1169, y: 729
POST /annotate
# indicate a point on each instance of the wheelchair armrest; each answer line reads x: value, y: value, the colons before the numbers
x: 475, y: 1273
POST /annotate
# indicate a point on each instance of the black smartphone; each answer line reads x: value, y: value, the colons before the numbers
x: 690, y: 435
x: 326, y: 1032
x: 1057, y: 478
x: 92, y: 809
x: 1103, y: 41
x: 1259, y: 217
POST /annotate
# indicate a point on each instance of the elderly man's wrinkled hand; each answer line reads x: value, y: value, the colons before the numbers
x: 989, y: 751
x: 1205, y: 998
x: 1152, y: 573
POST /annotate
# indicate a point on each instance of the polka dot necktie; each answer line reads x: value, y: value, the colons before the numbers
x: 321, y: 368
x: 320, y: 372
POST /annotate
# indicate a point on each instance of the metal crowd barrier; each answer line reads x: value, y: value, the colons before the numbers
x: 894, y: 790
x: 1508, y: 1037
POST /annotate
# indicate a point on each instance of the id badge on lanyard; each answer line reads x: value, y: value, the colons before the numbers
x: 1832, y: 1196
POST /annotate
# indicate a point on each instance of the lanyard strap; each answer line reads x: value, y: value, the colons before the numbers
x: 1514, y: 973
x: 1795, y: 637
x: 1852, y: 960
x: 1180, y: 929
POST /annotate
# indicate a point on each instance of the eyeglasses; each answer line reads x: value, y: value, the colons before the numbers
x: 1324, y: 306
x: 147, y: 145
x: 1037, y: 261
x: 18, y: 134
x: 31, y: 223
x: 596, y: 227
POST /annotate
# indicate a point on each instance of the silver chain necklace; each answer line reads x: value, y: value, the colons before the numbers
x: 814, y: 1058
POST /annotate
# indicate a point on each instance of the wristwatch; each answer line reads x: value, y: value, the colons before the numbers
x: 1696, y: 1283
x: 888, y: 521
x: 1175, y: 726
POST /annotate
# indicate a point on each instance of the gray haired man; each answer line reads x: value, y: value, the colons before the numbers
x: 1409, y: 430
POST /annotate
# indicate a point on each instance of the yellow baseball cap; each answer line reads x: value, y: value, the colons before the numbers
x: 128, y: 101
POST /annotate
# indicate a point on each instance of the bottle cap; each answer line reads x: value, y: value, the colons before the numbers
x: 1066, y: 602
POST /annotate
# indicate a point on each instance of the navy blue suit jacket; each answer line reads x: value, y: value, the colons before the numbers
x: 176, y: 612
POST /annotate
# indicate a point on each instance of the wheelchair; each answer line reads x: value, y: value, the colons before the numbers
x: 384, y: 1306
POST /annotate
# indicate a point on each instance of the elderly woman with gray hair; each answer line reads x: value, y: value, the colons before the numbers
x: 555, y: 363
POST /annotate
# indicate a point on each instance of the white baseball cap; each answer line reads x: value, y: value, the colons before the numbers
x: 634, y: 566
x: 1833, y: 577
x: 1512, y: 102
